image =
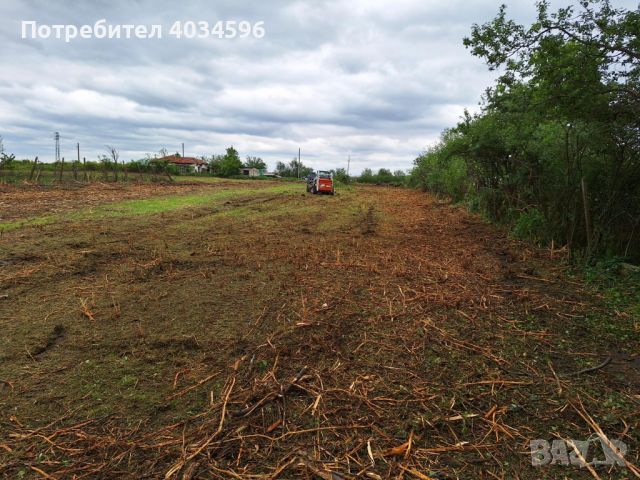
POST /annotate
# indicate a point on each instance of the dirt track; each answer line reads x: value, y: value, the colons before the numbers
x: 376, y: 334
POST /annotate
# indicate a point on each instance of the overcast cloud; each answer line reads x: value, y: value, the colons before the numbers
x: 377, y: 79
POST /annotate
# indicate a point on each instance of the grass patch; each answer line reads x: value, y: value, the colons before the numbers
x: 622, y: 297
x: 147, y: 206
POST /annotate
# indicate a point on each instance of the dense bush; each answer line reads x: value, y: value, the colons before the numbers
x: 555, y: 151
x: 340, y: 175
x: 438, y: 171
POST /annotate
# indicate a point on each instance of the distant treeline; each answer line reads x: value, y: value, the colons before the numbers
x: 555, y: 151
x: 383, y: 177
x: 155, y: 167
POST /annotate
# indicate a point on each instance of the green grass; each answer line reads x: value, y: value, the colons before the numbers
x: 621, y: 295
x: 149, y: 206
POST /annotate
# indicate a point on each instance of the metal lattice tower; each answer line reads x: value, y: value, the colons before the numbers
x: 56, y: 136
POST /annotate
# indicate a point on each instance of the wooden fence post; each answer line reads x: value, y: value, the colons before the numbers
x: 33, y: 169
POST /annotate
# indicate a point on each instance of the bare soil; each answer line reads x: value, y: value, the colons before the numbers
x: 379, y: 333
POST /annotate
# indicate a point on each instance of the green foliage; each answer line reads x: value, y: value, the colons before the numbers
x: 366, y: 176
x: 294, y: 169
x: 255, y: 162
x: 620, y: 290
x: 530, y: 225
x: 6, y: 161
x: 383, y: 177
x: 214, y: 164
x: 230, y: 163
x: 340, y: 175
x: 440, y: 172
x: 564, y: 113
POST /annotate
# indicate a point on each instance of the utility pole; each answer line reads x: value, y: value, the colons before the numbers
x: 56, y: 137
x: 78, y: 146
x: 182, y: 149
x: 298, y: 172
x: 348, y: 164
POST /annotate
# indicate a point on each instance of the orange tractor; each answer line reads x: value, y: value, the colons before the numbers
x: 321, y: 182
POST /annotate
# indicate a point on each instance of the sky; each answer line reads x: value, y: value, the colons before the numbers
x: 374, y: 80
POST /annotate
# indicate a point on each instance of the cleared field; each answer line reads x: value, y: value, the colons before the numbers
x: 21, y: 206
x: 249, y: 330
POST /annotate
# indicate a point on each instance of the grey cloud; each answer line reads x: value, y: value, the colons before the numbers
x: 372, y: 78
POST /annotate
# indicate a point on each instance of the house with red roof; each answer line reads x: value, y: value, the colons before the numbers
x: 187, y: 164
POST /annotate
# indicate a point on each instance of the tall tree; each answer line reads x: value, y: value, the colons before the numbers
x: 293, y: 169
x: 255, y: 162
x: 230, y: 164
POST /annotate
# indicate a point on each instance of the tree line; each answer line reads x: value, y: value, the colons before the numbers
x: 555, y: 150
x: 156, y: 166
x: 383, y: 176
x: 109, y: 167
